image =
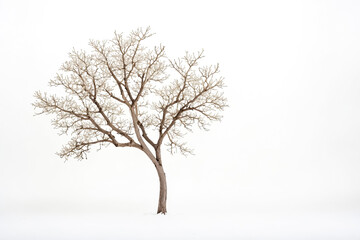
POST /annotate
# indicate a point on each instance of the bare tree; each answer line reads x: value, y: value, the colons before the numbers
x: 128, y: 95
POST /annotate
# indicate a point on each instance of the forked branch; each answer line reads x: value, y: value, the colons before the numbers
x: 128, y: 95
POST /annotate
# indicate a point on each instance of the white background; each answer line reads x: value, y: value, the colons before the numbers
x: 283, y: 163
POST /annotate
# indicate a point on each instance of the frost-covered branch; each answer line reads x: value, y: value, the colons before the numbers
x: 128, y: 95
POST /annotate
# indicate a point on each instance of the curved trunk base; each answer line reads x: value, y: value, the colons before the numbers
x: 161, y: 210
x: 163, y: 190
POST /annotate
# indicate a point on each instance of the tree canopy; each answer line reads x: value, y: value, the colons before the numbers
x: 129, y: 95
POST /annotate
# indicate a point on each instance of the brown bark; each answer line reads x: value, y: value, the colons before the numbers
x: 89, y: 111
x: 163, y: 190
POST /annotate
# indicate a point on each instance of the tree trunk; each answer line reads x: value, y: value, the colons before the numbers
x: 163, y: 190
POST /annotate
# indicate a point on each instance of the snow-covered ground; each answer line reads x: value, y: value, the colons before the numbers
x: 245, y: 225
